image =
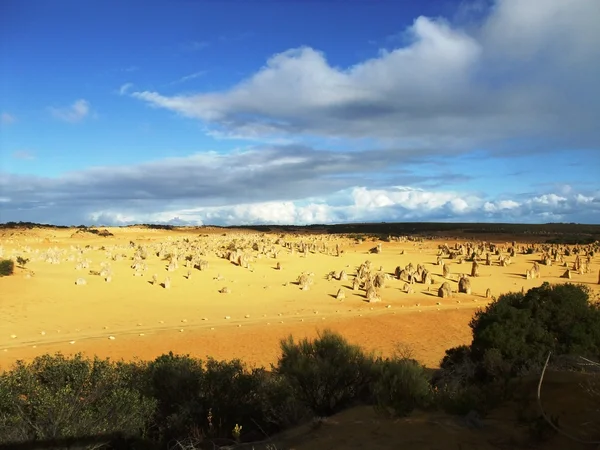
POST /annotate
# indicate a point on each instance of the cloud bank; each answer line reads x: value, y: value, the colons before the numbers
x: 278, y: 185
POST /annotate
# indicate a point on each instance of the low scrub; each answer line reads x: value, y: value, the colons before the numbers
x: 400, y: 386
x: 512, y: 338
x: 327, y: 374
x: 55, y: 397
x: 7, y: 267
x: 207, y: 399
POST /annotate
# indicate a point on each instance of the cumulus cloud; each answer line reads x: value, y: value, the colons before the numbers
x: 7, y: 119
x: 367, y: 205
x: 74, y: 113
x: 524, y: 72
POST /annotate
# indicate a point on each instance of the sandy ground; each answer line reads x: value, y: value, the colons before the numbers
x: 362, y: 427
x: 132, y: 318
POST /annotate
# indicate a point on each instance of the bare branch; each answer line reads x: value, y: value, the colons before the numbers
x: 547, y: 419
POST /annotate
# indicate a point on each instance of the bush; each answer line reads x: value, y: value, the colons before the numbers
x: 54, y: 397
x: 175, y: 383
x: 326, y: 374
x: 512, y: 337
x: 401, y: 386
x: 7, y: 267
x: 518, y: 331
x: 461, y: 400
x: 207, y: 399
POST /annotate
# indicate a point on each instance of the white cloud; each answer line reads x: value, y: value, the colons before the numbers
x: 190, y: 77
x: 7, y: 119
x: 125, y: 88
x: 74, y: 113
x: 360, y: 205
x: 283, y: 185
x: 525, y: 72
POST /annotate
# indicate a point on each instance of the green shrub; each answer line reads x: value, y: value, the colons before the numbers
x: 7, y: 267
x: 401, y: 386
x: 55, y: 397
x: 174, y: 382
x: 326, y: 374
x: 512, y: 338
x: 234, y: 395
x: 519, y: 330
x: 208, y: 398
x: 461, y: 400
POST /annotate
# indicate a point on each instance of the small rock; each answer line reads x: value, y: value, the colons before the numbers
x: 112, y: 338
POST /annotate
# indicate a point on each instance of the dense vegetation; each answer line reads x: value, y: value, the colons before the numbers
x: 513, y: 336
x: 175, y: 397
x: 562, y: 233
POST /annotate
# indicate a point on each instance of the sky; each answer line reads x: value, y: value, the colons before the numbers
x: 192, y: 112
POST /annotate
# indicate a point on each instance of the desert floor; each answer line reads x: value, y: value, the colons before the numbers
x: 132, y: 318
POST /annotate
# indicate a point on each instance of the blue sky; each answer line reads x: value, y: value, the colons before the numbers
x: 230, y: 112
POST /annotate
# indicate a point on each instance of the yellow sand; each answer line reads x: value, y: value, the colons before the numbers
x: 47, y: 311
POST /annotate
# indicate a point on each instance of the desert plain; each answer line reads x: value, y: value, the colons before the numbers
x: 230, y: 310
